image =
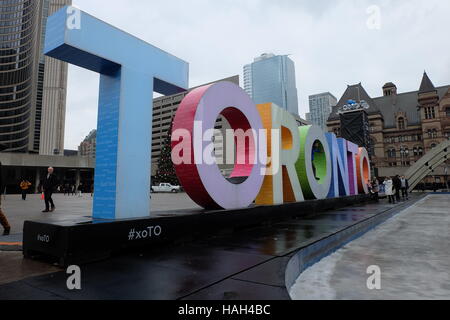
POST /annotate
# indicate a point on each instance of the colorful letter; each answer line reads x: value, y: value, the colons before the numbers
x: 130, y: 70
x: 204, y: 182
x: 352, y: 151
x: 314, y: 151
x: 363, y: 170
x: 281, y: 183
x: 339, y: 182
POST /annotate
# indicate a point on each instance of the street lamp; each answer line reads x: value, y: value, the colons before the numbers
x: 446, y: 177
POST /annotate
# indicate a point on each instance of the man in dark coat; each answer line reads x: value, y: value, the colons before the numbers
x: 3, y: 220
x: 48, y: 186
x: 398, y: 186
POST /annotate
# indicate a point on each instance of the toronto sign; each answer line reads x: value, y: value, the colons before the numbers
x: 275, y: 160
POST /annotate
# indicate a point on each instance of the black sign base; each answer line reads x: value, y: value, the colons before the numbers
x: 86, y: 240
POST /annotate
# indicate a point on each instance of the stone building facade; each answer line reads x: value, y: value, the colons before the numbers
x: 403, y: 126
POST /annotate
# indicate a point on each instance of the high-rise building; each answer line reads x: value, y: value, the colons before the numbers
x: 308, y: 117
x: 271, y: 78
x: 53, y: 107
x: 26, y: 77
x: 320, y: 108
x: 88, y: 147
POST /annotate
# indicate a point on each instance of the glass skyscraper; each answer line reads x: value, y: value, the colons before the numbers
x: 27, y: 77
x: 271, y: 78
x: 320, y: 107
x: 17, y: 66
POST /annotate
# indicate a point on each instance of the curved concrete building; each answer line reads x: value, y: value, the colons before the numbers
x: 32, y: 86
x: 18, y: 26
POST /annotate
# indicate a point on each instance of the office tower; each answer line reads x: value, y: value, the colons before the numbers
x: 88, y: 147
x: 320, y: 107
x: 308, y: 117
x: 271, y: 78
x: 24, y: 76
x: 53, y: 107
x: 18, y: 45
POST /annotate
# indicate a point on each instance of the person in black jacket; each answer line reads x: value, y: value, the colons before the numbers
x: 405, y: 187
x: 397, y: 186
x: 3, y: 220
x: 48, y: 186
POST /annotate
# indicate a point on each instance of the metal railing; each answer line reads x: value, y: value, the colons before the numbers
x: 427, y: 164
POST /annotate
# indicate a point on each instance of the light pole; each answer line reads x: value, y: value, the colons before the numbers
x: 446, y: 177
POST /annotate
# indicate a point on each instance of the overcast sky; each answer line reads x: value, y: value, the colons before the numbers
x: 330, y: 42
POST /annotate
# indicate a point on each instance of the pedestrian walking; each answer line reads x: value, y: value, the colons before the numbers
x: 80, y: 190
x: 48, y: 186
x: 404, y: 187
x: 389, y: 189
x: 25, y: 186
x: 67, y: 189
x: 375, y: 189
x: 397, y: 187
x: 3, y: 220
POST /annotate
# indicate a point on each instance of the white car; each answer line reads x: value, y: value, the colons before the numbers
x: 166, y: 187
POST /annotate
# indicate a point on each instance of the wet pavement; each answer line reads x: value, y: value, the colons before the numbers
x: 14, y: 267
x: 18, y: 210
x: 411, y: 250
x: 247, y: 264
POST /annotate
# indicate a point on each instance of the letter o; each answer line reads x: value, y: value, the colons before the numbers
x: 204, y: 183
x: 313, y: 189
x: 363, y: 170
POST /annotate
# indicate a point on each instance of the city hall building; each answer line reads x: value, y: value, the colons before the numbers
x: 403, y: 127
x: 32, y: 86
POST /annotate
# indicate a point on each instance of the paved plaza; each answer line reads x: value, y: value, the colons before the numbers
x: 411, y: 251
x: 246, y: 264
x: 19, y: 211
x: 14, y: 267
